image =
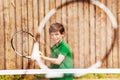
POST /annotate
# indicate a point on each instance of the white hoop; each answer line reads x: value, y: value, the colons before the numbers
x: 94, y: 2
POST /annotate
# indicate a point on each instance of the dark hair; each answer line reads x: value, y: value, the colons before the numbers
x: 56, y: 27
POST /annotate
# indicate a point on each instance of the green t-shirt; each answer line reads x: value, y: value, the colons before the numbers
x: 62, y: 48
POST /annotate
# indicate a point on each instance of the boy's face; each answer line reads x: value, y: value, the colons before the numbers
x: 56, y: 37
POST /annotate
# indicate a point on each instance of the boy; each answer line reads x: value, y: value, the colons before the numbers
x: 61, y: 52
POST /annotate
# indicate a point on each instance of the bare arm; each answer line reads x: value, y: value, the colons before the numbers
x: 57, y: 61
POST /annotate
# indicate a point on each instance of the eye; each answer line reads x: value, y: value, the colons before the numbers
x: 56, y: 34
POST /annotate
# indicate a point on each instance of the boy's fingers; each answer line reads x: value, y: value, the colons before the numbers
x: 41, y: 53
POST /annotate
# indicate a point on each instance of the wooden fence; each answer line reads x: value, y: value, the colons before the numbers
x: 88, y: 30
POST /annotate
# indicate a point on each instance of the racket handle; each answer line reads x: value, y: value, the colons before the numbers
x: 41, y: 64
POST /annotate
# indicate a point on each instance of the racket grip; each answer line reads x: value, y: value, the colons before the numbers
x: 41, y: 64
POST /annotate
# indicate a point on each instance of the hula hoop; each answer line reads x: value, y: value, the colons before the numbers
x: 101, y: 6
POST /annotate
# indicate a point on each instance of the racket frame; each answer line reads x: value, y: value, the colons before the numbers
x: 13, y: 45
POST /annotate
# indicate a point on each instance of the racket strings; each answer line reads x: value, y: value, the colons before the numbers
x: 22, y: 43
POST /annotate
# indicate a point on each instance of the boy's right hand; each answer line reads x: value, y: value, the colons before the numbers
x: 41, y: 55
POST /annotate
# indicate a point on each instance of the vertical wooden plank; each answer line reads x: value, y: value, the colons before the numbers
x: 119, y: 28
x: 31, y: 30
x: 47, y: 37
x: 24, y: 15
x: 92, y: 34
x: 13, y: 29
x: 30, y: 16
x: 18, y: 27
x: 86, y: 25
x: 103, y: 34
x: 35, y: 15
x: 52, y: 20
x: 70, y: 26
x: 41, y: 16
x: 76, y: 31
x: 115, y: 49
x: 52, y: 5
x: 2, y: 41
x: 81, y: 35
x: 58, y: 13
x: 35, y: 19
x: 7, y: 34
x: 109, y: 39
x: 98, y: 30
x: 25, y: 27
x: 64, y: 18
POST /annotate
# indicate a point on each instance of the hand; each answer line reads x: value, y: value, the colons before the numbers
x: 41, y: 55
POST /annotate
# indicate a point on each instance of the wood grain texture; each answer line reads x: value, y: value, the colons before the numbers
x: 89, y: 31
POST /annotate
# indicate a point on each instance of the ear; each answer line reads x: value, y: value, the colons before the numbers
x: 63, y: 34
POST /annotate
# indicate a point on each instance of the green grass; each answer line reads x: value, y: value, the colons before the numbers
x: 99, y: 76
x: 36, y: 77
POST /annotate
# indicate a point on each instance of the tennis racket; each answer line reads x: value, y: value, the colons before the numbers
x: 21, y: 42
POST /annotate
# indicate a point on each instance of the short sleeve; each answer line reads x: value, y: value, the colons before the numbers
x: 64, y: 50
